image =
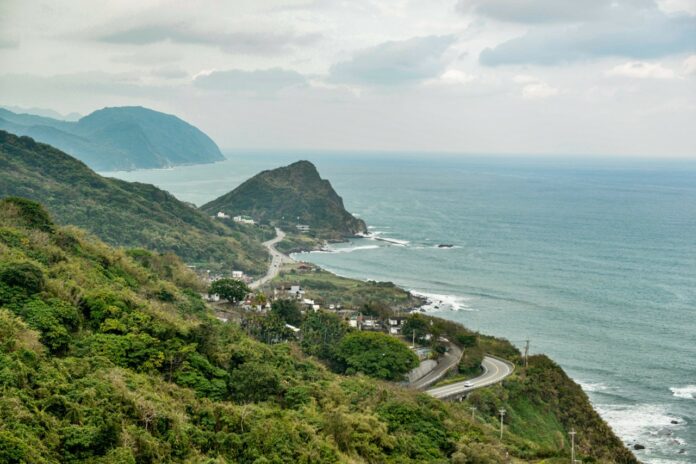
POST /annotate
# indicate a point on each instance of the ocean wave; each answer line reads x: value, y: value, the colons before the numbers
x: 651, y: 425
x: 345, y: 250
x: 688, y: 392
x: 355, y: 248
x: 440, y: 302
x: 593, y: 386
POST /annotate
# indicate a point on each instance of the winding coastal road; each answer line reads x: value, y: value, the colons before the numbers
x: 446, y: 362
x: 494, y: 371
x: 277, y: 259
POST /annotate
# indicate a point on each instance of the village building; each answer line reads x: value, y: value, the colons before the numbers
x: 243, y: 219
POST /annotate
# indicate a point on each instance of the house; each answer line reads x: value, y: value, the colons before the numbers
x: 296, y: 292
x: 221, y: 215
x: 396, y: 321
x: 303, y: 227
x: 237, y: 274
x: 243, y: 219
x: 394, y: 330
x: 353, y: 321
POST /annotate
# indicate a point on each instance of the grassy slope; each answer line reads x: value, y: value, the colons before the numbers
x: 543, y: 403
x: 349, y: 293
x: 122, y: 213
x: 107, y: 357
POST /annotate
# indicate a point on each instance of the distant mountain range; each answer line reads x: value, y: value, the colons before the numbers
x: 120, y: 138
x: 289, y: 196
x: 128, y: 214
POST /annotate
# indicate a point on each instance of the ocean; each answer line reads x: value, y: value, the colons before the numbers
x: 593, y: 260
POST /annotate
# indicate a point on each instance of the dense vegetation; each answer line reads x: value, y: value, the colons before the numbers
x: 290, y: 195
x: 119, y: 138
x: 326, y: 288
x: 108, y: 356
x: 123, y: 213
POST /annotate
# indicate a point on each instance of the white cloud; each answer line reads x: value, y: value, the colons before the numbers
x: 678, y: 6
x: 642, y: 70
x: 535, y: 88
x: 258, y: 82
x: 689, y: 65
x: 394, y: 62
x: 452, y: 77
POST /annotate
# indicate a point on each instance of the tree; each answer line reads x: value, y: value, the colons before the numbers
x: 269, y: 328
x: 418, y: 324
x: 231, y: 290
x: 375, y: 354
x: 287, y: 310
x: 321, y: 333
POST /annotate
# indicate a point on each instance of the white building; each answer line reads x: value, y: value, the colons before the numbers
x: 237, y: 274
x: 222, y: 215
x: 303, y: 227
x: 243, y: 219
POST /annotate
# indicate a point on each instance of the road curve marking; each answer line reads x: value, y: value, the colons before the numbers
x: 486, y: 379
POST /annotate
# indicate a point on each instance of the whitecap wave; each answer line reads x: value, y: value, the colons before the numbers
x: 394, y: 241
x: 593, y: 386
x: 355, y: 248
x: 440, y: 302
x: 345, y: 249
x: 688, y: 392
x: 651, y: 425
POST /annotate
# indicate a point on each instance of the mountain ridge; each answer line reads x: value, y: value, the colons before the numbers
x: 119, y: 138
x: 121, y: 213
x: 291, y: 195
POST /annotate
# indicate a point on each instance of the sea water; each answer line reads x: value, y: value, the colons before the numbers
x: 592, y: 260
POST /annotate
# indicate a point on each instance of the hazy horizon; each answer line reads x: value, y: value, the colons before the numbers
x: 458, y: 76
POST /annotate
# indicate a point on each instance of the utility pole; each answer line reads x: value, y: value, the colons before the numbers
x: 572, y: 445
x: 473, y: 410
x: 413, y: 343
x: 502, y: 414
x: 526, y: 353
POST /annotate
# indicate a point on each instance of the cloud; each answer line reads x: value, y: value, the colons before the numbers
x: 456, y: 77
x: 394, y: 63
x: 169, y: 72
x: 535, y: 88
x: 689, y: 65
x: 642, y: 70
x: 242, y: 42
x: 637, y: 34
x: 534, y: 11
x: 261, y: 81
x: 8, y: 43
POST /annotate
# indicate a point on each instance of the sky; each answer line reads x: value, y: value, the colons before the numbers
x: 561, y: 77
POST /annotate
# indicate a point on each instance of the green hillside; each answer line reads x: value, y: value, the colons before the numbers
x: 112, y: 357
x: 288, y: 196
x: 119, y: 138
x: 122, y: 213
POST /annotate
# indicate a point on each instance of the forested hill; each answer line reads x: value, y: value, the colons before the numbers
x: 119, y: 138
x: 121, y: 213
x: 291, y: 195
x: 108, y: 356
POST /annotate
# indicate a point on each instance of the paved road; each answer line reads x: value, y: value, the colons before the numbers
x: 444, y: 363
x: 277, y: 259
x: 494, y: 370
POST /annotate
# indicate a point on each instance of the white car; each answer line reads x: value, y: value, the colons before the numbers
x: 468, y: 384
